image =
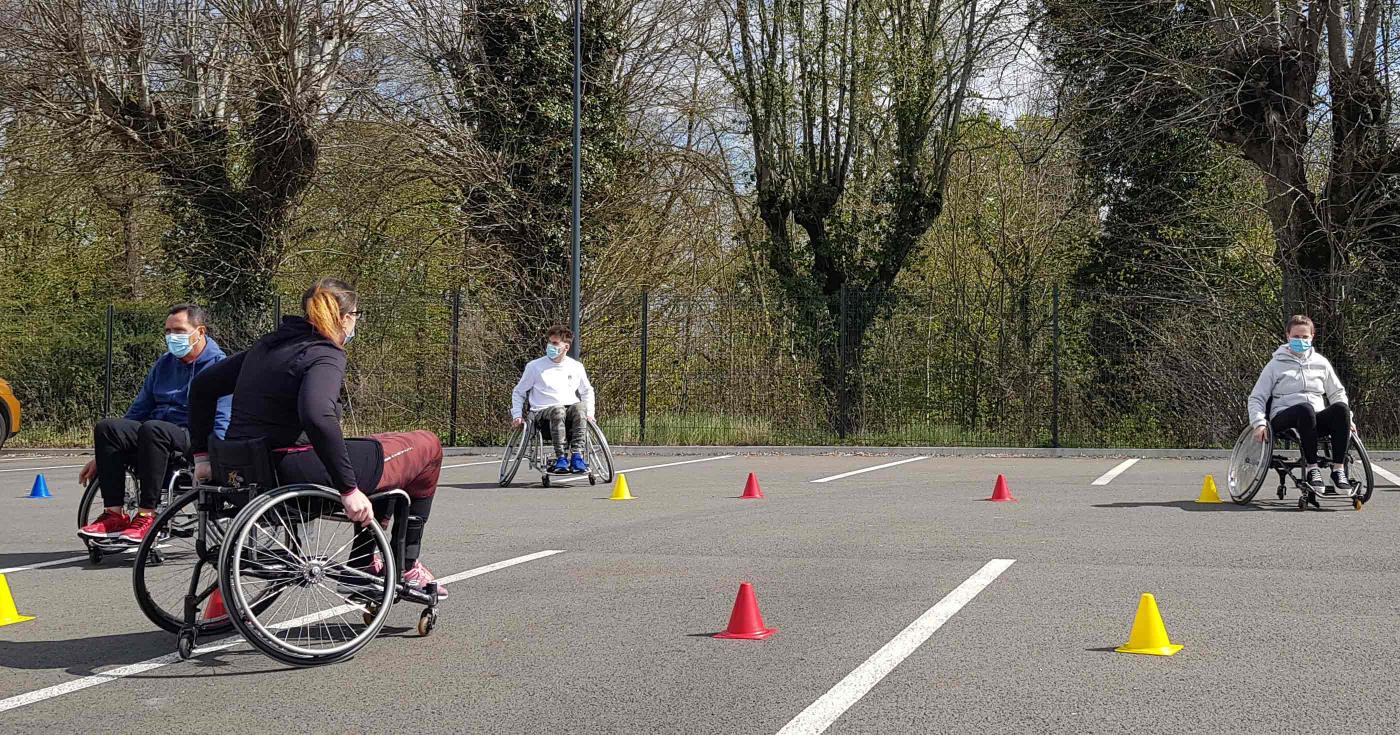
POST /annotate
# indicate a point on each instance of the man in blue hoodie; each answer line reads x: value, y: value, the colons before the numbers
x: 154, y: 430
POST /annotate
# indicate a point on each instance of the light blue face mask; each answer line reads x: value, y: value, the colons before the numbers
x: 1299, y: 345
x: 348, y: 336
x: 178, y: 344
x: 553, y: 351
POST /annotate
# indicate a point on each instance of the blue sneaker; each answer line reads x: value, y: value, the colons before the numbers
x: 577, y: 464
x: 560, y: 466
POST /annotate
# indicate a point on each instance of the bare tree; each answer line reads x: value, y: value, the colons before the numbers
x: 223, y: 100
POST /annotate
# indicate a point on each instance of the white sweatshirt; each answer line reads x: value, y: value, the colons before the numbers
x: 1290, y: 380
x: 548, y: 383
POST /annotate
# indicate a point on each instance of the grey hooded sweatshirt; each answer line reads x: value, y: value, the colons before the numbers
x: 1290, y: 380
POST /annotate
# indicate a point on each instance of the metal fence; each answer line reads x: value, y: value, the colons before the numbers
x: 723, y: 368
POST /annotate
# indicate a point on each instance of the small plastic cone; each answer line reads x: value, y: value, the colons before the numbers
x: 1001, y: 493
x: 214, y: 608
x: 751, y: 489
x: 9, y: 615
x: 1149, y: 635
x: 1208, y: 492
x: 41, y: 488
x: 620, y: 491
x: 746, y: 622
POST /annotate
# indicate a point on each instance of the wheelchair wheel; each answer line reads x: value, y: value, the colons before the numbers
x: 1358, y: 464
x: 296, y: 543
x: 1249, y: 465
x: 516, y: 446
x: 169, y: 558
x: 600, y: 458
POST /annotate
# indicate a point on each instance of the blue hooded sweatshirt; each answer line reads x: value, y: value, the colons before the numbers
x: 165, y: 396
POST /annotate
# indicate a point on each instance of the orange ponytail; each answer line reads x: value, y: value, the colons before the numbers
x: 325, y: 303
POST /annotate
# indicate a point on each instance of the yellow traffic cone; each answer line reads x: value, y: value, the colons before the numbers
x: 8, y: 614
x: 620, y: 491
x: 1149, y: 635
x: 1208, y: 492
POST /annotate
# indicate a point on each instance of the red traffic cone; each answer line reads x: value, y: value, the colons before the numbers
x: 214, y: 609
x: 746, y: 622
x: 751, y: 489
x: 1002, y: 493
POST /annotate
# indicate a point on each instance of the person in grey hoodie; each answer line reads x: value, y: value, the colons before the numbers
x: 1308, y: 396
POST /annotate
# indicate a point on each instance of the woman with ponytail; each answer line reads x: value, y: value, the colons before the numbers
x: 286, y: 390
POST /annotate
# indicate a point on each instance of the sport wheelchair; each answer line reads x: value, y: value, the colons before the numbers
x: 90, y: 507
x: 1251, y: 461
x: 280, y: 563
x: 527, y: 442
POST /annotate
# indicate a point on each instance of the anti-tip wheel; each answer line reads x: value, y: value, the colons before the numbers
x: 184, y: 644
x: 1282, y: 492
x: 544, y: 480
x: 371, y: 612
x: 427, y: 621
x: 94, y: 555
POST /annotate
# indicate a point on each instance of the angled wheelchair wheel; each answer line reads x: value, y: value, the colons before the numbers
x: 169, y: 558
x: 1358, y: 464
x: 297, y: 544
x: 517, y: 444
x: 1249, y: 465
x: 600, y: 457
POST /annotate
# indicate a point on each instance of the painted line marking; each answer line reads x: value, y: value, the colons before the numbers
x: 1387, y: 474
x: 40, y: 695
x: 820, y: 714
x: 869, y: 469
x: 469, y: 464
x: 33, y: 469
x: 37, y: 459
x: 42, y: 564
x: 1116, y: 471
x: 576, y: 478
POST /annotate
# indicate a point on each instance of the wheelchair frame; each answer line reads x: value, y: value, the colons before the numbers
x: 527, y: 442
x: 225, y: 517
x: 1267, y: 458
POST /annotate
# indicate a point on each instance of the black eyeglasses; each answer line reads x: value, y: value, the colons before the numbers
x: 354, y: 313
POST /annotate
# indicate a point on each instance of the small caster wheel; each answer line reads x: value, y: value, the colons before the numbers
x: 371, y: 612
x: 1303, y: 503
x: 427, y: 621
x: 544, y: 480
x: 156, y: 558
x: 592, y: 480
x: 184, y: 645
x: 94, y: 555
x: 1281, y: 492
x: 1356, y: 503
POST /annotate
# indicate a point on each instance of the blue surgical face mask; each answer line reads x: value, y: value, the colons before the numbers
x: 553, y: 351
x: 348, y: 336
x: 178, y: 344
x: 1299, y: 344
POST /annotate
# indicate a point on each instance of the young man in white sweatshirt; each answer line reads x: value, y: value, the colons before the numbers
x: 561, y: 396
x: 1306, y: 395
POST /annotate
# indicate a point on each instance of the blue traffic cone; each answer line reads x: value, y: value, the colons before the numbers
x: 41, y: 488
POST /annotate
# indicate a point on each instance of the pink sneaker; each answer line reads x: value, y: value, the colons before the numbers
x: 108, y: 525
x: 418, y: 577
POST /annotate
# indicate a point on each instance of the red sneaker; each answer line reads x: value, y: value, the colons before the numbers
x: 418, y: 576
x: 140, y: 526
x: 108, y: 525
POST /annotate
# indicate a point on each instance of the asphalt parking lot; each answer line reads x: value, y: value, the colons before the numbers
x: 1288, y: 618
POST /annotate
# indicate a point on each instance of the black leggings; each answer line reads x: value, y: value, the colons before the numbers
x: 1334, y: 421
x: 148, y: 447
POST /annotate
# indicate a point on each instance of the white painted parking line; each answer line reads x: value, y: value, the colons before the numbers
x: 820, y: 714
x: 869, y: 469
x: 41, y: 469
x: 469, y: 464
x: 1387, y: 474
x: 42, y: 564
x: 576, y: 478
x: 1116, y: 471
x: 40, y: 695
x: 37, y: 459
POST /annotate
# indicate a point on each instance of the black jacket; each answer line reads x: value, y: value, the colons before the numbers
x: 285, y: 389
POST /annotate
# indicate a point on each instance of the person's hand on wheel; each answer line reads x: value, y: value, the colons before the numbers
x: 88, y: 472
x: 202, y: 471
x: 357, y: 507
x: 1261, y: 434
x: 517, y: 422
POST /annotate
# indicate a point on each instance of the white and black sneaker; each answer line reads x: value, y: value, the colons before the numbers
x: 1318, y: 484
x: 1340, y: 481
